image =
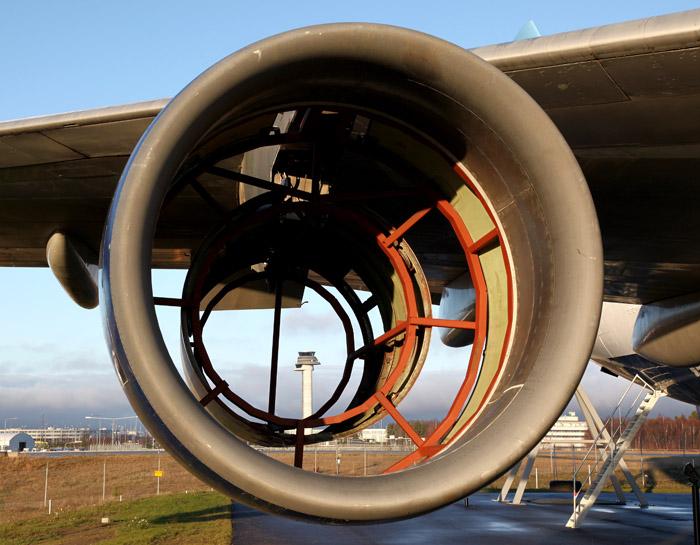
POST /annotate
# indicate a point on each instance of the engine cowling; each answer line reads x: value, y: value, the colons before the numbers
x: 396, y: 162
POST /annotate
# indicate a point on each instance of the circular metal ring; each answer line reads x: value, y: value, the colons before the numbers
x: 531, y: 190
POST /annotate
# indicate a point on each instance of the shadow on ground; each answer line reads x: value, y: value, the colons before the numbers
x: 240, y: 511
x: 666, y: 469
x: 667, y: 521
x: 203, y: 515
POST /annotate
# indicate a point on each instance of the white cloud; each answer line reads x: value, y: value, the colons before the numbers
x: 64, y: 399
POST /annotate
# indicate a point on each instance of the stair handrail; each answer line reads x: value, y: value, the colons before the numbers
x: 646, y: 388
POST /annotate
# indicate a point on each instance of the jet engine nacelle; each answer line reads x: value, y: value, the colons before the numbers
x: 396, y: 163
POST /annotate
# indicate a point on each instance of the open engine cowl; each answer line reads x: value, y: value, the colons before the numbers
x: 397, y: 162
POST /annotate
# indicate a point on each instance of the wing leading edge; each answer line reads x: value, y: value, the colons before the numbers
x: 625, y: 96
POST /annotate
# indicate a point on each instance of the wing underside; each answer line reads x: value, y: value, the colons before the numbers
x: 626, y: 97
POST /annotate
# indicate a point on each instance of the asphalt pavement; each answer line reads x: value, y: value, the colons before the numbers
x: 541, y: 520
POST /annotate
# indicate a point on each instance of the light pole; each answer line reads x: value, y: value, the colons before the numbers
x: 46, y: 484
x: 112, y: 418
x: 158, y: 478
x: 9, y: 418
x: 104, y: 480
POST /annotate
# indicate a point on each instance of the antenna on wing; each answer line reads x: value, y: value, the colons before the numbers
x: 527, y: 31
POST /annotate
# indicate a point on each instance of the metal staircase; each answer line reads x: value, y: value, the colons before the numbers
x: 614, y: 445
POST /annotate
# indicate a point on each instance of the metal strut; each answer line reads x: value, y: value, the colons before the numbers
x: 607, y: 448
x: 522, y: 483
x: 595, y: 424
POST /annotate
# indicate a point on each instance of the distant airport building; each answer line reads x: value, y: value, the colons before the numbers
x: 52, y: 435
x: 567, y: 430
x: 374, y: 435
x: 15, y: 441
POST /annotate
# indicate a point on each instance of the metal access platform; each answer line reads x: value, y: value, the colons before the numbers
x: 606, y: 453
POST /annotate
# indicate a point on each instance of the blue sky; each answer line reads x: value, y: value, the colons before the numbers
x: 63, y: 56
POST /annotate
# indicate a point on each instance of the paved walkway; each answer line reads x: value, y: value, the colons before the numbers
x: 540, y: 521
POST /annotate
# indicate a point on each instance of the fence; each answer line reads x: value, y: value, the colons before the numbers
x: 28, y: 483
x: 82, y: 480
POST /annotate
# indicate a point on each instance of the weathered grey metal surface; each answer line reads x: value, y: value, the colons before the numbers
x: 679, y: 383
x: 59, y: 172
x: 615, y: 351
x: 75, y: 267
x: 651, y: 35
x: 668, y: 331
x: 614, y: 336
x: 457, y: 302
x: 552, y: 239
x: 96, y: 116
x: 625, y: 96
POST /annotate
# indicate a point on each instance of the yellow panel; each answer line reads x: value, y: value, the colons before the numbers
x: 470, y: 209
x: 496, y: 279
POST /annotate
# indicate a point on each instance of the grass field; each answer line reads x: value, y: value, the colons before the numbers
x: 199, y: 518
x: 75, y: 484
x: 663, y: 471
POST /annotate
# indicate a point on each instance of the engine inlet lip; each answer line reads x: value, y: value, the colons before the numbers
x: 130, y: 318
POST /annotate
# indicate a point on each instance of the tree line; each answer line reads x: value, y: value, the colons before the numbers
x: 665, y: 433
x: 660, y: 433
x: 422, y: 427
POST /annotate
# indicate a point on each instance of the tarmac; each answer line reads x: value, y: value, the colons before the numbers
x: 541, y: 520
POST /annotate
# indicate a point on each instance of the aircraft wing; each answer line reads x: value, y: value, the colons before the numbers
x: 353, y: 193
x: 626, y: 97
x: 60, y: 172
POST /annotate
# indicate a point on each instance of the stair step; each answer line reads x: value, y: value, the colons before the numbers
x: 612, y: 454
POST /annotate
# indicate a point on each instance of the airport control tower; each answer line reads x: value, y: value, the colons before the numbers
x: 305, y: 363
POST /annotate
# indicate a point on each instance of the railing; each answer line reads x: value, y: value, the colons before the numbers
x: 603, y: 448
